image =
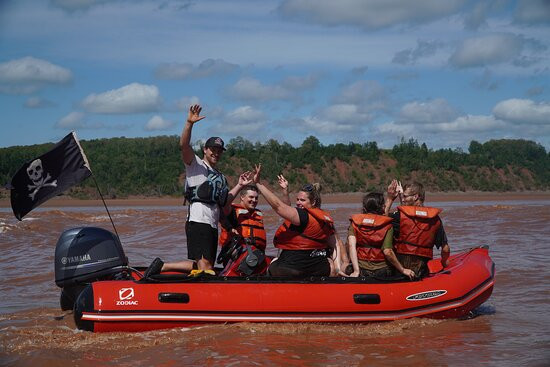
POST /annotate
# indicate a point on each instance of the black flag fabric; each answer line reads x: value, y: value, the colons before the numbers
x: 48, y: 175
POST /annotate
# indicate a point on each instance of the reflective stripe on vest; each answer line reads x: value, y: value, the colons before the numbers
x: 418, y: 226
x: 370, y: 231
x: 320, y: 227
x: 249, y: 225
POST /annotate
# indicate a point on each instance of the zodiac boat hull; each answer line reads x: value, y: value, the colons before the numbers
x: 127, y: 305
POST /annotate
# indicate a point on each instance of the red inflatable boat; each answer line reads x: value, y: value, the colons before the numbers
x: 175, y: 300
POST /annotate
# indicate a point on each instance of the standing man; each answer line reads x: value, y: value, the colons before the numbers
x: 208, y: 194
x: 417, y: 228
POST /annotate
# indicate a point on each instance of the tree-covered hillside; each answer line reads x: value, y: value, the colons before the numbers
x: 153, y: 167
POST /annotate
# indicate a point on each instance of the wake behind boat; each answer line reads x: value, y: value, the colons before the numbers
x: 111, y: 296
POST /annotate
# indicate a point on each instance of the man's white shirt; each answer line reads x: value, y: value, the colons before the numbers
x: 209, y: 213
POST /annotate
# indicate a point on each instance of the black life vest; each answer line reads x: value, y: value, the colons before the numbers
x: 213, y: 190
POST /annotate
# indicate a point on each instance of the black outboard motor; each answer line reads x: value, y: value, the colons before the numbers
x: 84, y: 255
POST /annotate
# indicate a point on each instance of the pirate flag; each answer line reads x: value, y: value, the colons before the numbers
x: 48, y: 175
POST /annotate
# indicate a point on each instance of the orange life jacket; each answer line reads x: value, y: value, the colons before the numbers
x: 418, y: 226
x: 370, y: 231
x: 320, y: 227
x: 249, y: 225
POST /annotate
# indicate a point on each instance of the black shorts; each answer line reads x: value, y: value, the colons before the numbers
x: 202, y: 241
x: 301, y: 263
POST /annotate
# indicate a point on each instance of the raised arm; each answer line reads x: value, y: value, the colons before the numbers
x: 283, y: 183
x: 187, y: 153
x: 244, y: 179
x: 392, y: 194
x: 282, y: 209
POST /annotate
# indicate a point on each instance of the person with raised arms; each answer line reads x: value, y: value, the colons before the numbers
x: 370, y: 241
x: 417, y: 228
x: 307, y: 238
x: 208, y: 194
x: 244, y: 220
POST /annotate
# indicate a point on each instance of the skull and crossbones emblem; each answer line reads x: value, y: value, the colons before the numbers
x: 35, y: 171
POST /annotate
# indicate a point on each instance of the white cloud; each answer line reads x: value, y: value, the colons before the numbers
x: 317, y: 125
x: 245, y: 121
x: 511, y: 119
x: 245, y: 114
x: 301, y: 82
x: 523, y: 111
x: 132, y: 98
x: 462, y: 124
x: 250, y: 89
x: 369, y: 14
x: 368, y: 95
x: 487, y: 50
x: 38, y: 102
x: 423, y: 49
x: 183, y: 103
x: 73, y: 120
x: 28, y: 74
x: 467, y: 123
x: 207, y: 68
x: 348, y: 114
x: 353, y: 107
x: 456, y: 133
x: 345, y: 121
x: 158, y: 123
x: 393, y: 129
x: 429, y: 112
x: 532, y: 11
x: 74, y: 5
x: 477, y: 16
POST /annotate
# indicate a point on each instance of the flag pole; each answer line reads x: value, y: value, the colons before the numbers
x: 87, y: 164
x: 105, y: 205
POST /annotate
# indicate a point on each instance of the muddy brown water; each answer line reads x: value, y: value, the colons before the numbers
x: 511, y: 328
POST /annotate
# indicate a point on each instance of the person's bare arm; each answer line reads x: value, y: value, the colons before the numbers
x: 283, y: 183
x: 392, y: 194
x: 187, y: 153
x: 390, y: 256
x: 352, y: 250
x: 282, y: 209
x: 445, y: 252
x: 244, y: 179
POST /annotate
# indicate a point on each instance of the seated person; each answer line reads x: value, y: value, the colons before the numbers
x: 307, y: 237
x: 416, y: 228
x: 244, y: 220
x: 370, y: 241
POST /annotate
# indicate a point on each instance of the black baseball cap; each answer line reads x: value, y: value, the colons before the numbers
x: 214, y: 141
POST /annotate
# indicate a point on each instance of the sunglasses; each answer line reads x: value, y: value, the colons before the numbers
x: 308, y: 187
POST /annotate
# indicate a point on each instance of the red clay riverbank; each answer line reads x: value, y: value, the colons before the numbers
x: 327, y: 198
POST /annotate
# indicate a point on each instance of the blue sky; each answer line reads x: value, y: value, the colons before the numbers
x: 442, y: 72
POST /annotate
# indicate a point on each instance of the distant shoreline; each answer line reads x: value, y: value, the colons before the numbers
x: 327, y: 198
